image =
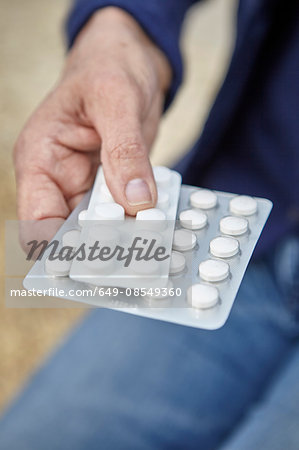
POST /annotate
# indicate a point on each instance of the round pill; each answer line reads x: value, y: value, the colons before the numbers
x: 243, y: 205
x: 177, y: 263
x: 201, y: 296
x: 151, y: 214
x: 234, y: 226
x: 148, y: 236
x: 82, y: 217
x: 71, y: 238
x: 98, y: 265
x: 163, y: 199
x: 162, y: 176
x: 109, y: 211
x: 107, y: 236
x: 57, y: 267
x: 193, y: 219
x: 183, y: 240
x: 204, y: 199
x: 224, y: 247
x: 106, y: 194
x: 212, y: 270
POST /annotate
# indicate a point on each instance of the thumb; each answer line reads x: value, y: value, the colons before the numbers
x: 125, y: 158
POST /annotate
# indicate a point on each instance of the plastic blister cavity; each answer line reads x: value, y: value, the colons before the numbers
x: 209, y: 248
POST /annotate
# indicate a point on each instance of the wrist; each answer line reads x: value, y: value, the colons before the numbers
x: 115, y: 24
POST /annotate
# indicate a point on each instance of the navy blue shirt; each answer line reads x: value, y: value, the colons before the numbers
x: 250, y: 142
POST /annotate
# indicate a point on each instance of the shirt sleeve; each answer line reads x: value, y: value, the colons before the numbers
x: 161, y: 20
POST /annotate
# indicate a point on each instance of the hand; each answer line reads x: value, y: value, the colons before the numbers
x: 105, y: 108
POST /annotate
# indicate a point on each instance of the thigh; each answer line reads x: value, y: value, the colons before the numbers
x: 124, y: 382
x: 273, y: 423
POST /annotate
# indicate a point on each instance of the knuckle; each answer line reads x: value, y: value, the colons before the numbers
x: 126, y: 151
x: 111, y: 82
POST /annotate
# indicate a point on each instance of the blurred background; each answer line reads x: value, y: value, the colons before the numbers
x: 32, y: 50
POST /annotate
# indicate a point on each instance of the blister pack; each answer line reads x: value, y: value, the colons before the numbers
x: 133, y: 244
x: 194, y: 284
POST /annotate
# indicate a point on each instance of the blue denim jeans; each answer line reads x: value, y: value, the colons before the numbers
x: 125, y: 382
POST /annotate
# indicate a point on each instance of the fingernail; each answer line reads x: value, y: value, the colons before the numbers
x: 137, y: 192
